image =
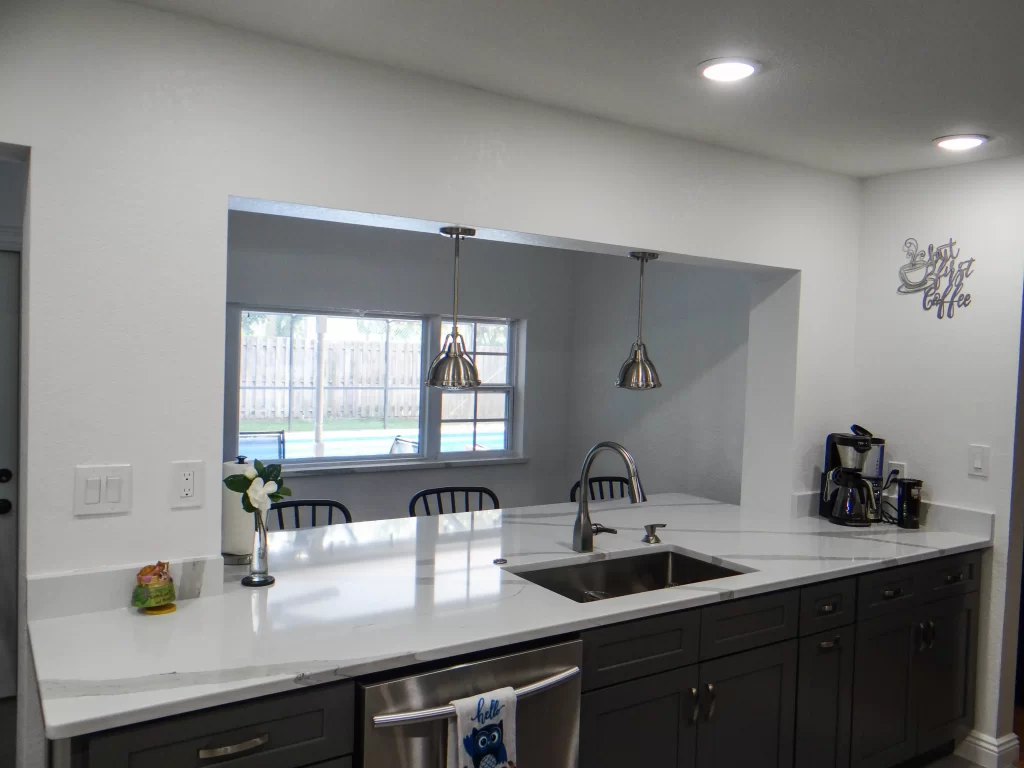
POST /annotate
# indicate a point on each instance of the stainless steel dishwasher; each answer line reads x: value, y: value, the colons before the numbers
x: 405, y: 721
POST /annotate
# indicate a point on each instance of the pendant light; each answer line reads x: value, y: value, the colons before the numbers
x: 453, y: 369
x: 638, y: 371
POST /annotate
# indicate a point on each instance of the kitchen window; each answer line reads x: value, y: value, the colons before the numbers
x: 334, y: 390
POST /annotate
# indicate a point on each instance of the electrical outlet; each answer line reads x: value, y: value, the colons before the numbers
x: 185, y: 486
x: 900, y: 466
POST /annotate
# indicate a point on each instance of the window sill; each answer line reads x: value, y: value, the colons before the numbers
x: 329, y: 468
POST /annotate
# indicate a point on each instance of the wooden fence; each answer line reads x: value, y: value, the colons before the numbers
x: 356, y: 384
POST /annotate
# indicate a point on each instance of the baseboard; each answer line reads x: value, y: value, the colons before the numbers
x: 989, y: 752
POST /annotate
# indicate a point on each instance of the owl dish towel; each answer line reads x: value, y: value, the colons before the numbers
x: 483, y: 732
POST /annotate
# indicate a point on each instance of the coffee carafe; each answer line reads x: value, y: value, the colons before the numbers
x: 847, y: 498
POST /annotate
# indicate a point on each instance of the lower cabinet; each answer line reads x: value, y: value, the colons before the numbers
x: 718, y: 714
x: 914, y: 681
x: 824, y: 690
x: 749, y: 706
x: 651, y: 721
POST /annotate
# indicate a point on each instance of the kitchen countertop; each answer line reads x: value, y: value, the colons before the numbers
x: 379, y: 595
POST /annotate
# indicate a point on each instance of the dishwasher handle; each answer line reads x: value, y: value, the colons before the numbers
x: 447, y: 711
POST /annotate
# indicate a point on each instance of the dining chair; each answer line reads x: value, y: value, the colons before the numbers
x: 453, y: 493
x: 297, y: 504
x: 605, y: 488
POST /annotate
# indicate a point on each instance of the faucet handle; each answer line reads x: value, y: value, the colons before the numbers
x: 652, y: 533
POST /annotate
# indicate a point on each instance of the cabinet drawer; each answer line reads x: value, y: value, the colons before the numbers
x: 628, y: 651
x: 285, y: 731
x: 955, y: 575
x: 742, y: 624
x: 827, y: 606
x: 884, y: 593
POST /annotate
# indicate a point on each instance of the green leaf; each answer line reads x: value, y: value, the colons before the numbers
x: 260, y: 469
x: 247, y: 505
x: 273, y: 472
x: 237, y: 483
x: 284, y: 490
x: 276, y: 497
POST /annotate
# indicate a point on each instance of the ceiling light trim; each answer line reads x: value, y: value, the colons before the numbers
x: 730, y: 69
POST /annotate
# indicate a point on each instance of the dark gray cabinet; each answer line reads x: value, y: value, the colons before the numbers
x: 884, y: 713
x: 748, y: 708
x: 914, y: 668
x: 313, y: 727
x: 944, y: 669
x: 824, y: 698
x: 650, y: 721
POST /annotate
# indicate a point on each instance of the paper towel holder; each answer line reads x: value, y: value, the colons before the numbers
x: 228, y: 558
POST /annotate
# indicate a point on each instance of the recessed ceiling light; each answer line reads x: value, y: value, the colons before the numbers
x: 729, y: 70
x: 961, y: 142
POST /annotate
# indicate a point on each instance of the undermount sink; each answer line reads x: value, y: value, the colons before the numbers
x: 616, y: 577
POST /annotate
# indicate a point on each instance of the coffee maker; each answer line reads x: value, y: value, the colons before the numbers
x: 847, y: 497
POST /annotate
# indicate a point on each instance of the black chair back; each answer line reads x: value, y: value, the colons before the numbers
x: 452, y: 495
x: 604, y: 488
x: 330, y: 507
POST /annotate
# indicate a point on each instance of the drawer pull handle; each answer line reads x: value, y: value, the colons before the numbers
x: 711, y: 707
x: 827, y: 608
x: 892, y: 592
x: 954, y: 578
x: 696, y: 705
x: 922, y: 637
x: 234, y: 749
x: 826, y: 645
x: 931, y: 635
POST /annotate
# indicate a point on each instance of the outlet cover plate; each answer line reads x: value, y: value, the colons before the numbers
x: 176, y: 495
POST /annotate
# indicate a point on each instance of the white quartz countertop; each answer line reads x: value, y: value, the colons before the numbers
x: 379, y: 595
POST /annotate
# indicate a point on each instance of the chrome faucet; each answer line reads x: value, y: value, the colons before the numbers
x: 583, y: 530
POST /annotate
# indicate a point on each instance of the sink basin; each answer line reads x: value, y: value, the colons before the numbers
x: 603, y: 579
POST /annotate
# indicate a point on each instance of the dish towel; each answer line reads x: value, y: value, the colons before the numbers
x: 483, y: 732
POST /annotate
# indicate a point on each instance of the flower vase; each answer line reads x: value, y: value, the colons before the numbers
x: 259, y: 567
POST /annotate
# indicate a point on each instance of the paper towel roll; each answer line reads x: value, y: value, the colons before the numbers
x: 236, y: 524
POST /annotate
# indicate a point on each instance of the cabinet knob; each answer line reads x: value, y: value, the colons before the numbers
x: 827, y: 608
x: 956, y: 578
x: 892, y: 592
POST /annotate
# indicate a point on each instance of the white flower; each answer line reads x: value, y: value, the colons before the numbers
x: 250, y: 472
x: 259, y: 493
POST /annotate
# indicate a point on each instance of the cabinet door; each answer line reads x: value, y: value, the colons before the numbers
x: 748, y: 706
x: 650, y: 721
x: 824, y: 697
x: 944, y: 675
x: 884, y: 729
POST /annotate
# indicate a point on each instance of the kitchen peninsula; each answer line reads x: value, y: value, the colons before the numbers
x: 359, y: 599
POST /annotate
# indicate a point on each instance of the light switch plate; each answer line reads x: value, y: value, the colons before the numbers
x: 185, y: 484
x: 90, y: 476
x: 978, y: 459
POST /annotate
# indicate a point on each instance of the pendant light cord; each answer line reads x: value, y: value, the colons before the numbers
x: 640, y: 310
x: 455, y: 303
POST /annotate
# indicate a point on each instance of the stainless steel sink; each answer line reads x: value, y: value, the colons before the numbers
x: 603, y: 579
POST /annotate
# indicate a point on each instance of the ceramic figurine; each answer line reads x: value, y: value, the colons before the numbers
x: 154, y: 590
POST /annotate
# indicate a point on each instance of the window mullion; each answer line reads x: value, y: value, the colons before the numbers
x: 430, y: 398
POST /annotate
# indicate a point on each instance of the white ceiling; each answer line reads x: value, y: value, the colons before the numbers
x: 855, y: 86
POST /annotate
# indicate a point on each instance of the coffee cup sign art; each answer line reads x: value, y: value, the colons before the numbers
x: 938, y: 274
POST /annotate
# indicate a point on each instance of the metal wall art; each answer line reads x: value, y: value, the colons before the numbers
x: 939, y: 274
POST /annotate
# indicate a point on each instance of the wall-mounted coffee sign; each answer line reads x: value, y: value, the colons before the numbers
x: 939, y: 274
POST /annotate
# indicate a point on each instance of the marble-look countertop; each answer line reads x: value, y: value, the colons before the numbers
x: 372, y: 596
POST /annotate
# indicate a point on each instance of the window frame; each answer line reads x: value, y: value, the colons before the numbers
x: 430, y: 422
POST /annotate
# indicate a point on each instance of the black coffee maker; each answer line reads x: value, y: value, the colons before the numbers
x: 847, y: 497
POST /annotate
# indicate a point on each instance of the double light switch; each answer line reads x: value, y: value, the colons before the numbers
x: 103, y: 489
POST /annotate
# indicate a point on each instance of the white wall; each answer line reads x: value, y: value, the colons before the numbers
x: 326, y: 266
x: 936, y: 386
x: 171, y: 116
x: 688, y: 435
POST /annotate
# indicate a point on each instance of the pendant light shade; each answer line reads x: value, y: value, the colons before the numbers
x: 453, y: 369
x: 638, y: 372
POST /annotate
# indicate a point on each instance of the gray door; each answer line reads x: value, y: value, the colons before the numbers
x: 10, y: 294
x: 749, y: 708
